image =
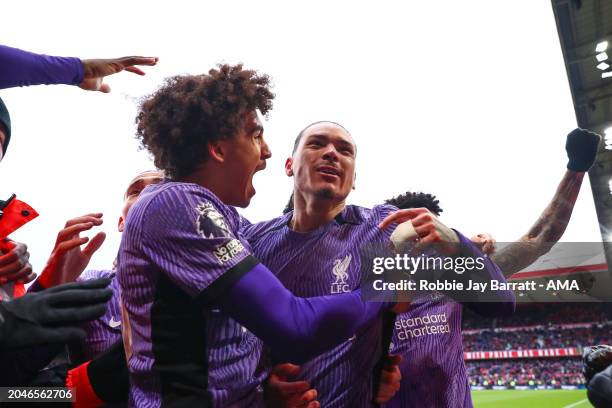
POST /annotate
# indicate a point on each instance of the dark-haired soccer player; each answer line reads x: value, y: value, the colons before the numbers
x: 315, y: 250
x: 428, y: 336
x: 190, y: 286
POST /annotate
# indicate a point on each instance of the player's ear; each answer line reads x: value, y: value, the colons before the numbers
x: 354, y: 181
x: 289, y: 167
x: 121, y: 224
x: 216, y: 150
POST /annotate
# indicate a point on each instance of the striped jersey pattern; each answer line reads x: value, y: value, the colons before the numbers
x: 180, y: 247
x: 323, y: 262
x: 428, y: 337
x: 103, y: 332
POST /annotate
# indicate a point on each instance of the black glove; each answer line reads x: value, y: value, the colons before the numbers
x: 596, y: 359
x: 52, y: 315
x: 599, y: 389
x: 581, y: 148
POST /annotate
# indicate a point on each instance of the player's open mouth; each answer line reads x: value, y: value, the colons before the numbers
x: 329, y: 170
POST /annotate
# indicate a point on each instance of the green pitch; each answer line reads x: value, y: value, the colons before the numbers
x: 530, y: 399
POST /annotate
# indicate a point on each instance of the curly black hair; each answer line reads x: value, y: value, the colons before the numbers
x: 415, y: 200
x: 176, y: 123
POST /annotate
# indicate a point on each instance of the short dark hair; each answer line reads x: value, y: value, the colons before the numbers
x: 416, y: 200
x: 176, y: 123
x: 299, y: 136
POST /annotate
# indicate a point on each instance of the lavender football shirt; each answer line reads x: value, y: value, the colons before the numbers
x: 323, y: 262
x: 179, y: 252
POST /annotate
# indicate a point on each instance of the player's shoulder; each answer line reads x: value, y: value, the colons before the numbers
x: 168, y: 191
x: 355, y: 214
x: 257, y: 230
x: 172, y: 197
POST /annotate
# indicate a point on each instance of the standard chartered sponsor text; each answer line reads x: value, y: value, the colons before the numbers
x: 414, y: 327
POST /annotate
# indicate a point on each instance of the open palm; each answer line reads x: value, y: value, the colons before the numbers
x: 68, y: 260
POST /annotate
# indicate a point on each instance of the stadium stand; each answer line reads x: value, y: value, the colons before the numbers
x: 538, y: 347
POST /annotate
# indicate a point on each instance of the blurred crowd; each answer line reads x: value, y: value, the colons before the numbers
x: 555, y: 372
x: 540, y: 338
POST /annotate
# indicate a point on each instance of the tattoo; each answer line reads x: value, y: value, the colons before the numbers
x: 547, y: 230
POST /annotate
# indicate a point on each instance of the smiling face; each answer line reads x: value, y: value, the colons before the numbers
x: 134, y: 189
x: 244, y: 155
x: 323, y: 163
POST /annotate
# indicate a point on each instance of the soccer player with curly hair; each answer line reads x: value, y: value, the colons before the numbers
x: 193, y: 295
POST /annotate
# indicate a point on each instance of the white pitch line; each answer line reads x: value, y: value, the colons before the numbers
x: 575, y: 404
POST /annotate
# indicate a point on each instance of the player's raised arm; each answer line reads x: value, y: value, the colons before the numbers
x: 581, y: 147
x: 23, y: 68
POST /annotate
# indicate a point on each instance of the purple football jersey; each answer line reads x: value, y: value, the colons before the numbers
x: 323, y: 262
x: 103, y: 332
x: 181, y: 250
x: 428, y: 337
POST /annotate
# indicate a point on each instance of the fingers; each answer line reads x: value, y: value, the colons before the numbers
x: 16, y: 269
x: 424, y: 229
x: 288, y: 388
x: 389, y: 385
x: 135, y: 70
x: 423, y: 219
x: 308, y: 397
x: 401, y: 216
x: 73, y: 314
x: 299, y: 400
x: 18, y: 251
x: 68, y: 245
x: 60, y: 335
x: 488, y: 248
x: 392, y: 360
x: 21, y: 275
x: 286, y: 370
x: 427, y: 240
x: 73, y: 230
x: 94, y: 245
x: 134, y: 60
x: 104, y: 88
x: 88, y: 284
x: 75, y: 297
x: 7, y: 244
x: 29, y: 278
x: 391, y: 377
x: 94, y: 218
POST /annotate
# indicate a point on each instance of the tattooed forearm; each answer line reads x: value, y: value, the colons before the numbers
x: 545, y: 233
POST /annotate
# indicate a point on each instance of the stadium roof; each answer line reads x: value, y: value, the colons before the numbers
x: 585, y: 33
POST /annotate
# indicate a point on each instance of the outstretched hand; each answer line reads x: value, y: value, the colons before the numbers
x: 68, y: 260
x: 96, y: 69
